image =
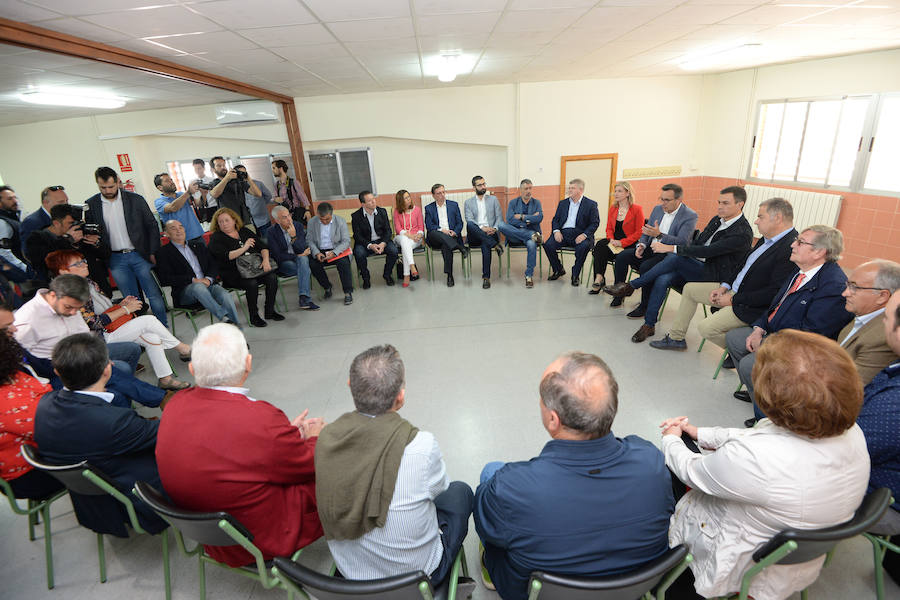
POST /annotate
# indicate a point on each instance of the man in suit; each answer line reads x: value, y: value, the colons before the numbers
x: 287, y: 245
x: 64, y: 234
x: 328, y: 238
x: 868, y: 291
x: 670, y: 222
x: 189, y: 270
x: 372, y: 235
x: 713, y: 256
x: 810, y: 300
x: 120, y: 443
x: 574, y: 224
x: 128, y: 229
x: 39, y: 219
x: 220, y: 449
x: 744, y: 296
x: 483, y: 218
x: 590, y: 505
x: 444, y: 226
x: 523, y: 226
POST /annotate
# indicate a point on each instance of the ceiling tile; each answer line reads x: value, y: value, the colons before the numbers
x: 151, y: 47
x: 396, y: 71
x: 289, y: 35
x: 245, y: 59
x: 539, y: 20
x: 441, y: 43
x: 845, y: 16
x: 212, y: 43
x: 538, y: 4
x: 154, y: 21
x: 493, y: 53
x: 501, y: 65
x: 19, y: 11
x: 701, y: 15
x: 623, y: 17
x: 329, y: 10
x: 722, y: 32
x: 772, y: 15
x: 447, y: 7
x: 87, y: 30
x: 304, y: 54
x: 386, y: 60
x: 376, y: 29
x: 68, y: 7
x: 457, y: 24
x: 42, y: 60
x: 336, y: 67
x: 241, y: 14
x: 509, y: 39
x: 380, y: 47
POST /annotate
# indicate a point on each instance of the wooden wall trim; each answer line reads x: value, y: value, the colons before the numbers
x: 612, y: 180
x: 299, y: 159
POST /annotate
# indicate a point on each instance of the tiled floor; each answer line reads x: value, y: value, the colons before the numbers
x: 473, y: 362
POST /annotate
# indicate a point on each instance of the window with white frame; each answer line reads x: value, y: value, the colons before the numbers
x: 340, y: 173
x: 847, y: 143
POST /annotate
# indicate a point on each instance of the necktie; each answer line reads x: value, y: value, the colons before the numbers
x: 797, y: 281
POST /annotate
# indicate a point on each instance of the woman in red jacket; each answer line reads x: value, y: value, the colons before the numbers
x: 623, y: 229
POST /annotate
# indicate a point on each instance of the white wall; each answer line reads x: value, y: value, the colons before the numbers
x: 731, y: 99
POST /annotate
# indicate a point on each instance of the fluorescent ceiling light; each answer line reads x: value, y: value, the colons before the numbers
x: 64, y: 98
x: 720, y: 57
x: 448, y: 65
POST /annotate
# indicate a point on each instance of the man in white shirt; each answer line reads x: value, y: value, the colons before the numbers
x: 483, y: 217
x: 868, y: 291
x: 386, y: 504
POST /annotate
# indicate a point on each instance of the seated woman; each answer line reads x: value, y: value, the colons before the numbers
x: 99, y: 312
x: 19, y: 396
x: 805, y: 466
x: 410, y: 228
x: 229, y: 240
x: 623, y: 230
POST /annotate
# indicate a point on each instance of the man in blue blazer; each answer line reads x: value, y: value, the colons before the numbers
x: 287, y: 245
x: 810, y: 300
x: 129, y: 230
x: 574, y: 224
x: 40, y: 219
x: 78, y: 423
x: 483, y: 218
x: 443, y: 224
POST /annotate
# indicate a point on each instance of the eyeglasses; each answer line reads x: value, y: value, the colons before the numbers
x: 800, y: 242
x: 80, y: 263
x: 855, y: 288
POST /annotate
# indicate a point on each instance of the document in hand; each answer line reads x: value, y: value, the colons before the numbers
x: 339, y: 256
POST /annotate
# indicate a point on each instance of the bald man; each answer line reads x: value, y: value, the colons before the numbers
x: 603, y: 503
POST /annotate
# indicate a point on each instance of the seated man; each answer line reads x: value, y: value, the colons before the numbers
x: 670, y: 222
x: 713, y: 256
x: 879, y: 419
x: 190, y: 271
x: 869, y: 288
x: 483, y: 217
x: 64, y: 233
x: 328, y: 238
x: 287, y: 245
x: 590, y: 505
x: 523, y: 226
x: 120, y: 442
x: 372, y: 235
x: 444, y: 226
x: 386, y: 503
x: 574, y: 224
x: 220, y: 449
x: 54, y: 314
x: 811, y: 300
x: 744, y: 296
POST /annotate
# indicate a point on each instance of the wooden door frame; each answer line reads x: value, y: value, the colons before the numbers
x: 576, y: 157
x: 38, y: 38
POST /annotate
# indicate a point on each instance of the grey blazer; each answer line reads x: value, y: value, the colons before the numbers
x: 492, y: 210
x: 682, y: 228
x: 340, y: 237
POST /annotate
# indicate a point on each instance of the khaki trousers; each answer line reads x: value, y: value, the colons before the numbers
x: 715, y: 326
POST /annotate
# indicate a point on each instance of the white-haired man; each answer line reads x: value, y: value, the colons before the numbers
x: 220, y: 449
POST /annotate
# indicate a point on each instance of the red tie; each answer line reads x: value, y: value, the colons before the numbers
x: 797, y: 281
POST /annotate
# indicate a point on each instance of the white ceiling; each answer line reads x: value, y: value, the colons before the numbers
x: 315, y: 47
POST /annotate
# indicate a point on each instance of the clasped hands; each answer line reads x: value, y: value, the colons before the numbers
x: 677, y: 426
x: 309, y: 427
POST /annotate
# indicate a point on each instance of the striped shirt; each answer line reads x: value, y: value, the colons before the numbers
x: 410, y: 539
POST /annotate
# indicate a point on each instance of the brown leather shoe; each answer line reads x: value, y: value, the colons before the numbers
x: 643, y: 333
x: 619, y: 290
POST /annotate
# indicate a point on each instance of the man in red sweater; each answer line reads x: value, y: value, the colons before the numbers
x: 219, y: 449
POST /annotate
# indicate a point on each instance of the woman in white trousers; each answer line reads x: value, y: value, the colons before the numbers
x: 410, y: 228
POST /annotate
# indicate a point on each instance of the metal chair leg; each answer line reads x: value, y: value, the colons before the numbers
x: 202, y: 575
x: 167, y: 575
x: 48, y: 546
x: 721, y: 362
x: 101, y: 556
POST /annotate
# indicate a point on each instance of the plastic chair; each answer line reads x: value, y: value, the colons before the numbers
x: 211, y: 529
x: 795, y: 546
x: 422, y: 251
x: 880, y: 547
x: 408, y: 586
x: 639, y: 583
x: 429, y: 260
x: 473, y: 249
x: 517, y: 247
x: 189, y: 311
x: 31, y: 511
x: 566, y: 250
x: 81, y: 478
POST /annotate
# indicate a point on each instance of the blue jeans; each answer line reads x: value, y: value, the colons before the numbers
x: 126, y: 387
x: 126, y: 352
x: 216, y: 299
x: 129, y: 269
x: 453, y: 507
x: 522, y: 235
x: 671, y: 271
x: 489, y: 469
x: 299, y: 267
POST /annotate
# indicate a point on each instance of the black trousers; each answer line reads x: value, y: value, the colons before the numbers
x: 34, y: 485
x: 317, y: 269
x: 626, y: 258
x: 439, y: 240
x: 479, y: 239
x: 603, y: 255
x: 251, y: 289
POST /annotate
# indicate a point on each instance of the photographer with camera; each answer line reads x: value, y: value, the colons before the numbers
x: 11, y: 255
x: 171, y: 205
x: 68, y: 232
x: 229, y: 189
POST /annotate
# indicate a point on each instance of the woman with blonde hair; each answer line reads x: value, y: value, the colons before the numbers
x: 805, y: 466
x: 410, y: 228
x: 623, y: 229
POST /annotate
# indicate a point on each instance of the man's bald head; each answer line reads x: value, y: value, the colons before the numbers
x: 582, y: 391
